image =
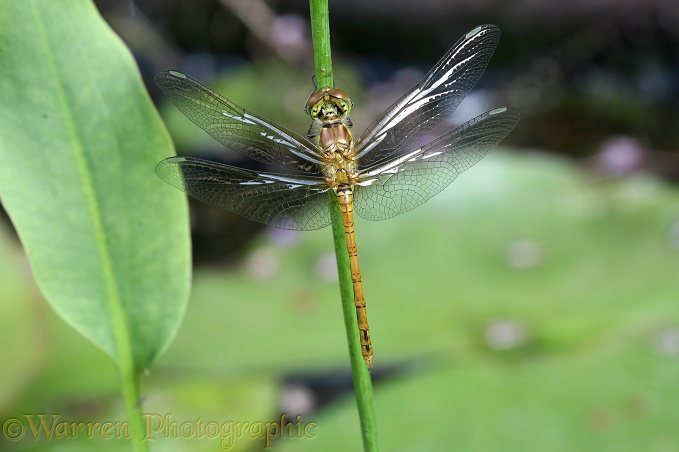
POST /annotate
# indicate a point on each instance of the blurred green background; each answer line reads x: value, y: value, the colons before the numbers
x: 531, y: 306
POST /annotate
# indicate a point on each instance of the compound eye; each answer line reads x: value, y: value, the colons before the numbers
x: 313, y: 99
x: 343, y: 99
x: 338, y: 93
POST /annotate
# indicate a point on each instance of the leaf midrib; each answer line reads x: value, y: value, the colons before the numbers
x: 114, y: 301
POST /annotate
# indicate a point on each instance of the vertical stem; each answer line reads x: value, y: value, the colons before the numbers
x: 362, y: 383
x: 130, y: 385
x: 320, y: 33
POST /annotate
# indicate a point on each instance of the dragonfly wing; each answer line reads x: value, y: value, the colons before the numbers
x: 396, y: 187
x: 238, y: 129
x: 431, y: 101
x: 286, y: 202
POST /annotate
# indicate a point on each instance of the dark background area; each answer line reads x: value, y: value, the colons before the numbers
x: 595, y: 80
x: 578, y: 71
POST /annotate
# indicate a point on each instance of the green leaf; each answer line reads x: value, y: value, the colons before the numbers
x: 79, y: 139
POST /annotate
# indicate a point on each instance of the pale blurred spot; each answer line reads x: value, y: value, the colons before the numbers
x: 290, y: 30
x: 297, y: 400
x: 262, y: 263
x: 304, y: 303
x: 284, y: 237
x: 476, y: 102
x: 620, y: 155
x: 524, y: 254
x: 666, y: 343
x: 506, y: 334
x: 326, y: 268
x: 674, y: 234
x: 637, y: 406
x: 602, y: 419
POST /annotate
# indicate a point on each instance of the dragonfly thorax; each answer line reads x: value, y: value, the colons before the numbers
x: 340, y: 171
x: 337, y: 143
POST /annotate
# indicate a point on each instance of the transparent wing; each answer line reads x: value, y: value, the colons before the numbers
x: 431, y: 101
x: 281, y: 201
x: 396, y: 187
x: 236, y: 128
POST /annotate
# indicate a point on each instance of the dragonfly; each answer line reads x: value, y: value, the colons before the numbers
x: 378, y: 175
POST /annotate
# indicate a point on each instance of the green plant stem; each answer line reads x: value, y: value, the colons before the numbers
x: 130, y: 385
x: 320, y: 36
x: 320, y: 32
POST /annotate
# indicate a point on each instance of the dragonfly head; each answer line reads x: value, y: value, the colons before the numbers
x: 329, y: 103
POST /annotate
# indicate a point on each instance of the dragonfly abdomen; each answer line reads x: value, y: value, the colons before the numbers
x: 345, y: 199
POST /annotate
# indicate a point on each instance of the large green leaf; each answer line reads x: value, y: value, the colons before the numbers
x: 108, y: 242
